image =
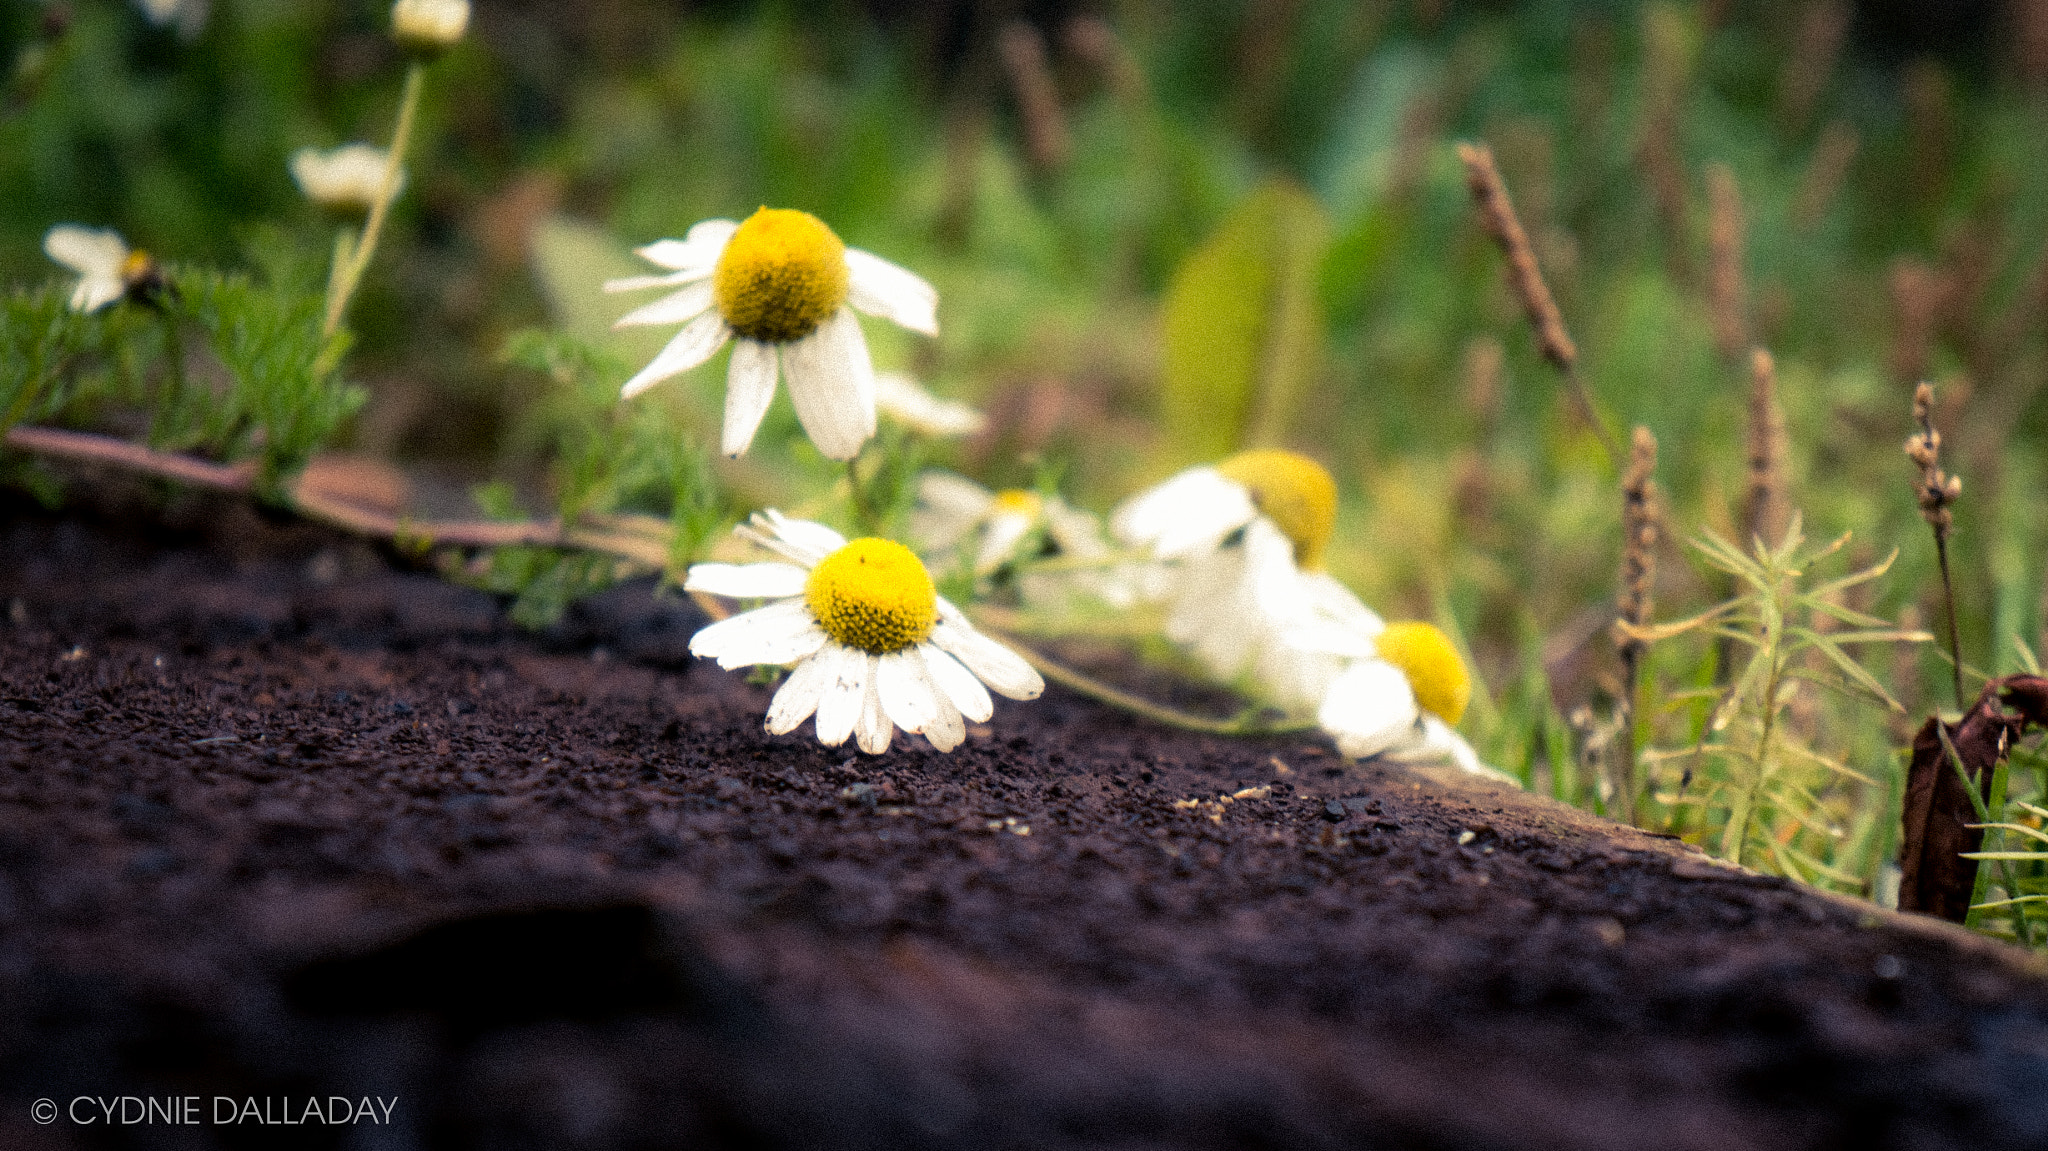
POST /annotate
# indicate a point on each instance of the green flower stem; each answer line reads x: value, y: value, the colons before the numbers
x: 342, y: 287
x: 1246, y: 722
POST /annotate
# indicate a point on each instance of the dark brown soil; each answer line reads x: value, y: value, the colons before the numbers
x: 278, y: 821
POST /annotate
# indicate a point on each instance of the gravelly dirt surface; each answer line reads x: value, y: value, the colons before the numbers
x: 277, y: 821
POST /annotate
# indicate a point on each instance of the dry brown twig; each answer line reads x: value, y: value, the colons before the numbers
x: 1937, y: 490
x: 1525, y: 277
x: 1642, y: 528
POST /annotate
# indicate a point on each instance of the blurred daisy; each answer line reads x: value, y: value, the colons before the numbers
x: 784, y: 288
x: 429, y: 27
x: 902, y: 399
x: 871, y: 645
x: 347, y: 180
x: 1245, y: 541
x: 107, y: 269
x: 952, y: 509
x: 188, y: 15
x: 1402, y: 695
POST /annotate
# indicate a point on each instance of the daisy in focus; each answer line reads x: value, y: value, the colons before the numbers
x: 870, y: 643
x: 783, y: 288
x: 1401, y: 696
x: 1244, y: 542
x: 107, y: 269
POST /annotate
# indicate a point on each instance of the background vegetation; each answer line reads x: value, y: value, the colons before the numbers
x: 1160, y: 231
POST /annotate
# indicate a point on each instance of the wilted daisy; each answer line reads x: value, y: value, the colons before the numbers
x: 1401, y: 696
x: 348, y: 179
x: 107, y: 269
x: 904, y: 400
x: 1245, y: 540
x: 783, y: 287
x: 872, y: 646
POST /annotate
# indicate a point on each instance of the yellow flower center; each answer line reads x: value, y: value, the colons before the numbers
x: 873, y: 595
x: 1293, y: 491
x: 1437, y: 675
x: 781, y: 275
x: 1016, y: 501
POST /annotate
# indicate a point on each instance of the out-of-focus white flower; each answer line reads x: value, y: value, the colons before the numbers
x: 348, y: 179
x: 1401, y: 696
x: 871, y: 644
x: 1244, y: 541
x: 107, y: 269
x: 900, y: 397
x: 784, y: 288
x: 188, y: 15
x: 429, y: 26
x: 950, y: 508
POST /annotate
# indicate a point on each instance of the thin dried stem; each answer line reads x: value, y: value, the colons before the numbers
x: 1525, y: 277
x: 1767, y: 506
x: 1825, y: 174
x: 89, y: 448
x: 1937, y: 490
x: 1727, y: 296
x: 1022, y: 48
x: 1641, y: 529
x: 1810, y: 65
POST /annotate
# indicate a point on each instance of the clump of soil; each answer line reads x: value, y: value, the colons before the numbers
x: 277, y: 820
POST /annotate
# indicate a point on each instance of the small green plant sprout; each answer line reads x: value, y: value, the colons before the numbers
x: 871, y: 644
x: 783, y: 288
x: 2023, y: 872
x: 1771, y: 792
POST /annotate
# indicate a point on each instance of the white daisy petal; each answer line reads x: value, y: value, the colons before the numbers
x: 747, y: 581
x: 87, y: 251
x: 999, y: 539
x: 1332, y: 601
x: 874, y: 730
x: 832, y: 384
x: 844, y: 695
x: 880, y: 288
x: 780, y: 633
x: 808, y: 535
x: 957, y: 684
x: 640, y: 283
x: 798, y: 696
x: 699, y: 340
x: 749, y: 389
x: 1434, y: 741
x: 699, y: 249
x: 900, y: 397
x: 946, y: 730
x: 674, y: 308
x: 1188, y: 513
x: 1369, y: 709
x: 1003, y: 670
x: 905, y: 690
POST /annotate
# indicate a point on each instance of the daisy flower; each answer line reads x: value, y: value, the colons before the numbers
x: 904, y: 400
x: 107, y: 269
x: 871, y: 645
x: 951, y: 508
x: 1245, y: 540
x: 348, y: 179
x: 428, y: 27
x: 784, y: 288
x: 1401, y: 696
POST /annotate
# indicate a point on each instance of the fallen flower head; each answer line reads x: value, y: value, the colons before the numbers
x: 1401, y: 696
x: 784, y: 288
x: 107, y: 268
x: 871, y: 644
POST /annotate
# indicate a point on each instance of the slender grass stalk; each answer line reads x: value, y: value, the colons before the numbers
x: 1727, y: 295
x: 1525, y: 277
x: 1641, y: 529
x: 1937, y: 490
x: 342, y: 287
